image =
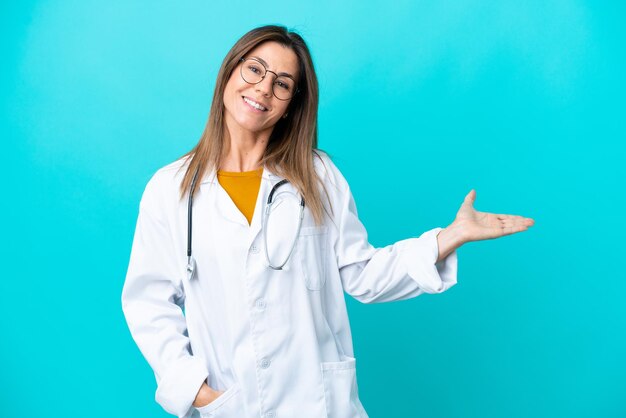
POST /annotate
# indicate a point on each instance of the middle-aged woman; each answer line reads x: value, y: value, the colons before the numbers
x: 245, y: 246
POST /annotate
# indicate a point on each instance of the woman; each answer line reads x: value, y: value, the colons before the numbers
x: 265, y: 330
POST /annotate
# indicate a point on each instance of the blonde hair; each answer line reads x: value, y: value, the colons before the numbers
x: 293, y: 142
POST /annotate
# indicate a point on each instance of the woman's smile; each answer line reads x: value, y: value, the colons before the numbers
x: 254, y: 105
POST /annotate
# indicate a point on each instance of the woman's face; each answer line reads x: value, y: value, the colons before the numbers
x: 240, y: 96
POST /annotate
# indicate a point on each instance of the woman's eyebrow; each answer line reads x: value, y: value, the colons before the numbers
x: 267, y: 66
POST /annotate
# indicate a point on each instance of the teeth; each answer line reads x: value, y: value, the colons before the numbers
x: 254, y: 104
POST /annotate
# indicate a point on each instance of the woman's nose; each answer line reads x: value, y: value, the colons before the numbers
x: 265, y: 86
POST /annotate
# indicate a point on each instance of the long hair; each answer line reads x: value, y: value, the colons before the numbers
x: 293, y: 142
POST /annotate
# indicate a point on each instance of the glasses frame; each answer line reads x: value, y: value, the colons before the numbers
x: 243, y: 59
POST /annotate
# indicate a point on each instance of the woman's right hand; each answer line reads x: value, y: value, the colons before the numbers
x: 205, y: 396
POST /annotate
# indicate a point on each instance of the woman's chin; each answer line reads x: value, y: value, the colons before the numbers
x: 251, y: 125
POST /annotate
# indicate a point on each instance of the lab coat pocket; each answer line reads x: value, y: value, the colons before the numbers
x: 226, y: 405
x: 312, y: 244
x: 340, y: 389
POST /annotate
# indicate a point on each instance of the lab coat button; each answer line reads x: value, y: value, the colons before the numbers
x: 254, y: 249
x: 269, y: 414
x: 260, y: 304
x: 265, y: 363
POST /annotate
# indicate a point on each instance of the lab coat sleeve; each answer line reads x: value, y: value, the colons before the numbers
x: 151, y: 300
x: 400, y: 271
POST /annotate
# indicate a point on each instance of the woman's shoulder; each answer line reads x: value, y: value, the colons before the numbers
x: 171, y: 173
x: 166, y: 181
x: 327, y: 170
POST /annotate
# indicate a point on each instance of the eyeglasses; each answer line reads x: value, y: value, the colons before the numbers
x: 253, y: 72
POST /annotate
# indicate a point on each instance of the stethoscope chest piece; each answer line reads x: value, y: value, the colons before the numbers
x: 191, y: 268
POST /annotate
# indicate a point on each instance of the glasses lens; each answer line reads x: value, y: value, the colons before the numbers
x: 252, y: 71
x: 284, y: 88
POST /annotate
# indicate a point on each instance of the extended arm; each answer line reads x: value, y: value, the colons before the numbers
x: 399, y: 271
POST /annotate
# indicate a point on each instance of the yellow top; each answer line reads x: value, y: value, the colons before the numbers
x: 242, y: 188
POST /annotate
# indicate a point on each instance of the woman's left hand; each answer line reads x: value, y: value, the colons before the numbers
x: 473, y: 225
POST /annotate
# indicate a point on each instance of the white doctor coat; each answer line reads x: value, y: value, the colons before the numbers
x: 277, y: 342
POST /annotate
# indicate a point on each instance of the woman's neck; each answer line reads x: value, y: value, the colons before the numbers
x: 243, y: 152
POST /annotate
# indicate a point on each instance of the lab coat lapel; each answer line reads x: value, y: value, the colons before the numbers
x: 225, y: 206
x: 227, y: 209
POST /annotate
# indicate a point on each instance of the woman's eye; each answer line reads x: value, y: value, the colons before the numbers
x: 282, y: 85
x: 254, y: 69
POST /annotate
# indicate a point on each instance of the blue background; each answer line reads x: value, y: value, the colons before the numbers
x: 420, y: 102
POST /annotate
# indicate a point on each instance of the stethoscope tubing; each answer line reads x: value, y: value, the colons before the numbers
x: 266, y: 216
x: 191, y: 262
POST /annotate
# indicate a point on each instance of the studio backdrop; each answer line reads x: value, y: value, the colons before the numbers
x: 420, y: 101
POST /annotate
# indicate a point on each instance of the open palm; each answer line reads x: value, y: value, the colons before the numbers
x: 478, y: 226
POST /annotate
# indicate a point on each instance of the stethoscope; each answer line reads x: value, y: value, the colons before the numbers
x: 191, y: 262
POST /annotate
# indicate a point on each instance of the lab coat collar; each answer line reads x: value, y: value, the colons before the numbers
x: 229, y: 211
x: 211, y: 178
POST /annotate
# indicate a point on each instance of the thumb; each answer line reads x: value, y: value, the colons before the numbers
x: 470, y: 198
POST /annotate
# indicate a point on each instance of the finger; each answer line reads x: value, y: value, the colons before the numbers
x: 515, y: 220
x: 508, y: 230
x: 470, y: 198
